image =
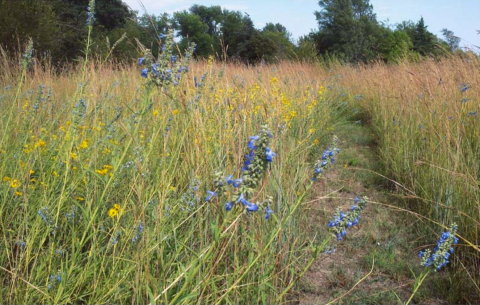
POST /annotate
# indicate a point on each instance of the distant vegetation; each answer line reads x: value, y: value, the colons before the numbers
x: 348, y: 30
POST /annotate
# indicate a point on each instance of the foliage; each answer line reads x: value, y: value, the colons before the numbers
x: 396, y: 46
x: 41, y: 27
x: 452, y: 40
x: 348, y: 29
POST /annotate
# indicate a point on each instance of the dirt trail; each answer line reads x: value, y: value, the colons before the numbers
x: 377, y: 236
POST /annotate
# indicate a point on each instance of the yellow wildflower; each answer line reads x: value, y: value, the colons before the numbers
x: 39, y: 143
x: 14, y: 183
x: 175, y: 112
x: 73, y: 156
x: 112, y: 213
x: 84, y: 144
x: 102, y: 172
x: 106, y: 168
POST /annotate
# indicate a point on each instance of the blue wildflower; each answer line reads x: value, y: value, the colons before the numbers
x: 251, y: 143
x: 91, y: 13
x: 162, y: 35
x: 210, y: 195
x: 20, y: 243
x: 341, y: 221
x: 441, y: 253
x: 138, y: 233
x: 90, y: 19
x: 144, y: 72
x: 141, y: 60
x: 155, y: 69
x: 268, y: 212
x: 173, y: 59
x: 242, y: 200
x: 269, y: 154
x: 464, y: 87
x: 251, y: 207
x: 235, y: 182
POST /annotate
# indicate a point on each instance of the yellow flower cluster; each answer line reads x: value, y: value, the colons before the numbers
x: 105, y: 170
x: 116, y: 210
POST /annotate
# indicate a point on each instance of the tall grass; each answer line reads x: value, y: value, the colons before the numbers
x: 427, y: 118
x: 103, y: 193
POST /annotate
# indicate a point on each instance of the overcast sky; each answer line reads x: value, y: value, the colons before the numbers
x: 460, y: 16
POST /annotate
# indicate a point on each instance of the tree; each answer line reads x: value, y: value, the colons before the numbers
x: 211, y: 16
x: 306, y: 49
x: 38, y: 22
x: 396, y: 46
x: 452, y: 40
x: 423, y: 40
x: 279, y: 38
x: 348, y: 29
x: 191, y: 28
x: 149, y: 29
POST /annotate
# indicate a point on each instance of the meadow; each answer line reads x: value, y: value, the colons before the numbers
x: 114, y: 190
x: 119, y: 186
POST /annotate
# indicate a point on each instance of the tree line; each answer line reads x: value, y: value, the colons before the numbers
x: 348, y: 30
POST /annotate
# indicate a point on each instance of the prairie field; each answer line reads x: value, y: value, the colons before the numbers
x: 118, y: 189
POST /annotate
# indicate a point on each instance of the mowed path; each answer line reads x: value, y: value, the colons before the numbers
x: 373, y: 264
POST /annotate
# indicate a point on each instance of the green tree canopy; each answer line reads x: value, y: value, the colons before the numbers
x: 348, y: 29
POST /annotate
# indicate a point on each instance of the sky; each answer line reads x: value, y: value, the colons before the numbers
x: 460, y: 16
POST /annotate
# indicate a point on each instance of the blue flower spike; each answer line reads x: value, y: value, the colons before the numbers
x: 441, y: 253
x: 328, y: 157
x: 342, y: 221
